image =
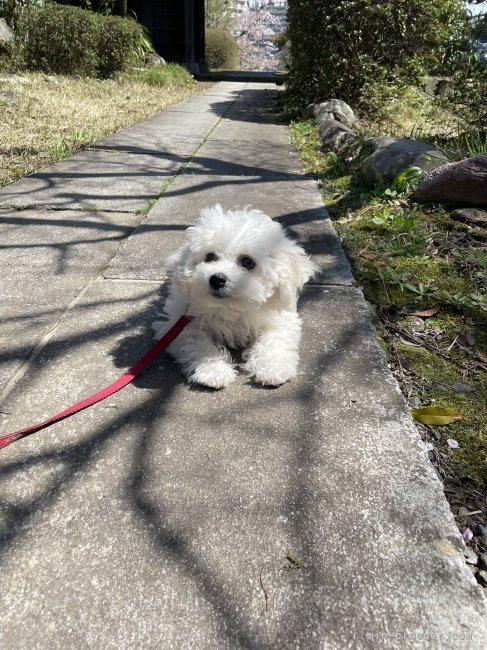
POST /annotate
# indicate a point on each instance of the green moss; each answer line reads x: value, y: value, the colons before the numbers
x: 428, y: 364
x: 471, y: 431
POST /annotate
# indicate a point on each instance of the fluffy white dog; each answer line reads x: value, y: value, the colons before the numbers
x: 238, y: 276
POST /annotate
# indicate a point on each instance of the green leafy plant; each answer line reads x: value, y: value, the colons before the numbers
x: 121, y: 42
x: 15, y: 11
x: 60, y: 39
x: 422, y: 289
x: 392, y: 220
x: 463, y: 91
x: 341, y: 47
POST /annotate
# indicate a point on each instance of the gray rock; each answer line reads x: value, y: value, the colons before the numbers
x: 414, y: 324
x: 470, y: 215
x: 470, y: 556
x: 6, y: 36
x: 460, y: 387
x: 334, y: 136
x: 376, y: 144
x: 390, y: 156
x: 458, y: 182
x: 52, y: 80
x: 334, y: 109
x: 151, y: 58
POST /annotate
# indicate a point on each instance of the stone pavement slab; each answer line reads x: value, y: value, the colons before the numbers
x: 156, y: 139
x: 293, y: 201
x: 235, y: 131
x: 246, y: 159
x: 157, y: 134
x: 306, y: 516
x: 127, y: 182
x: 46, y: 259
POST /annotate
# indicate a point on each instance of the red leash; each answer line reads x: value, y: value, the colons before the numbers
x: 125, y: 379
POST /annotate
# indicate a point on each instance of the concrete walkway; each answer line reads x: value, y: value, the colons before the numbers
x: 169, y: 517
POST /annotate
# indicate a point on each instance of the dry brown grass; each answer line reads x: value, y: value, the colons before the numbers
x: 44, y: 119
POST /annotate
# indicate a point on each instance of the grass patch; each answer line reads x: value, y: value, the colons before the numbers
x: 408, y: 258
x: 45, y: 119
x: 410, y: 113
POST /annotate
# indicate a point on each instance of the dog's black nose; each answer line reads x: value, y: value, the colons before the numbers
x: 217, y: 281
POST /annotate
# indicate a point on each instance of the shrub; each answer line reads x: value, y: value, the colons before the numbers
x: 61, y: 40
x: 221, y: 49
x: 118, y: 44
x: 338, y: 47
x: 463, y: 90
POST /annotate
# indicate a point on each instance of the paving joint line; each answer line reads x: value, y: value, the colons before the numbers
x: 54, y: 208
x: 39, y: 347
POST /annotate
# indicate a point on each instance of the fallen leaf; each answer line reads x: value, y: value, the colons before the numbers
x: 435, y: 415
x: 426, y: 313
x: 453, y: 444
x: 462, y: 340
x: 470, y: 338
x: 467, y: 535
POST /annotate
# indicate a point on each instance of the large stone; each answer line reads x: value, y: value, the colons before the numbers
x: 470, y: 215
x: 151, y: 58
x: 458, y: 182
x: 334, y: 135
x: 390, y: 156
x: 334, y: 109
x: 6, y: 35
x: 377, y: 144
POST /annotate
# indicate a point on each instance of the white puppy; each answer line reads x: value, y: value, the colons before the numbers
x: 238, y: 276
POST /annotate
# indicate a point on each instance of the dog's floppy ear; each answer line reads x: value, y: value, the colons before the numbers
x: 294, y: 268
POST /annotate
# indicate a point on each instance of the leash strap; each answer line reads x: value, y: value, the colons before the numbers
x: 117, y: 385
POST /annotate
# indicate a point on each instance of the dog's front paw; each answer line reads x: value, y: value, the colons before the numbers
x: 215, y: 374
x: 268, y: 368
x: 274, y: 376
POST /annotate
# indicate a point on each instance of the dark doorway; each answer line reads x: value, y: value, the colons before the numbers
x: 177, y: 29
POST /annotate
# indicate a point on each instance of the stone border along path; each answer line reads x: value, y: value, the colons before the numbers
x: 173, y: 517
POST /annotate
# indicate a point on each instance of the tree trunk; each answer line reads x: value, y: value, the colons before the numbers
x: 120, y: 8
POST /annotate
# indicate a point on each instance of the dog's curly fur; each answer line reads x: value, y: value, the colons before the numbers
x: 238, y: 276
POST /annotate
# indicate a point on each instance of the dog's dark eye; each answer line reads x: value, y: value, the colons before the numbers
x: 211, y: 257
x: 247, y: 262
